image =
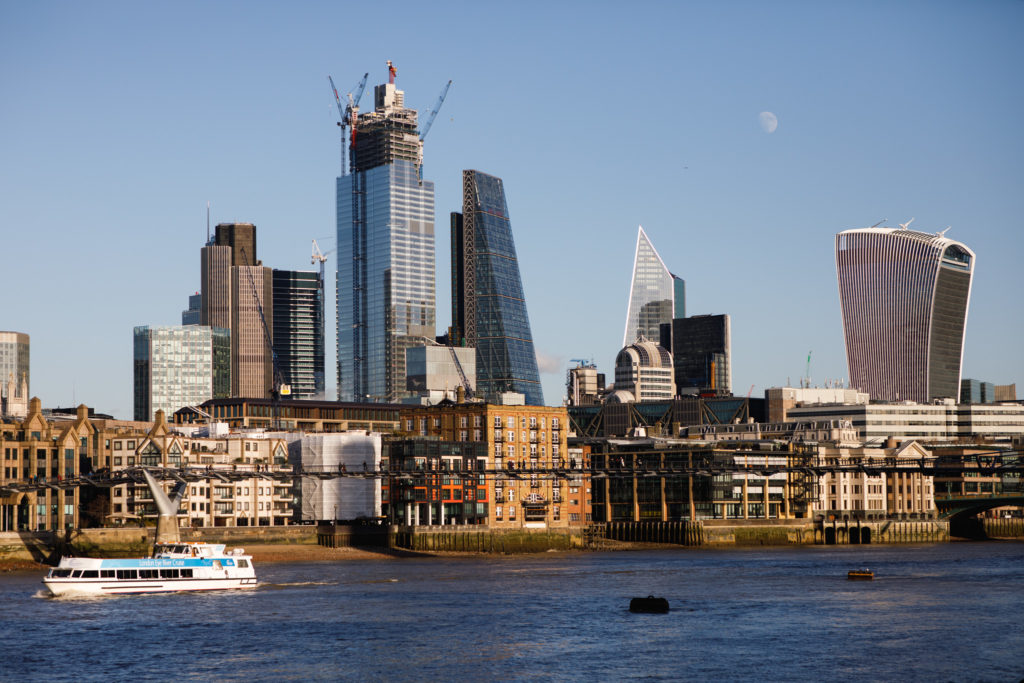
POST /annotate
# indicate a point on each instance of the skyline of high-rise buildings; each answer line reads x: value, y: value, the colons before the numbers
x: 904, y: 297
x: 386, y: 290
x: 385, y: 228
x: 656, y: 295
x: 488, y: 304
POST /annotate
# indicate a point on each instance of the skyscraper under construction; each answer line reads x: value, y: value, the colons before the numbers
x: 385, y: 214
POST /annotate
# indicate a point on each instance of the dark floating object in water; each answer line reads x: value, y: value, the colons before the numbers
x: 650, y: 605
x: 860, y: 575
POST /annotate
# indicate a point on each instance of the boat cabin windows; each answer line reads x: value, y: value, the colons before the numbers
x: 243, y: 564
x: 120, y: 574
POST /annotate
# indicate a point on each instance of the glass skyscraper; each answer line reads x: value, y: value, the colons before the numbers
x: 385, y: 285
x: 178, y: 366
x: 655, y: 297
x: 488, y: 307
x: 299, y: 331
x: 904, y: 297
x: 701, y: 348
x: 14, y: 373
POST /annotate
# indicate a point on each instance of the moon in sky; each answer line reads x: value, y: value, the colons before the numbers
x: 768, y: 121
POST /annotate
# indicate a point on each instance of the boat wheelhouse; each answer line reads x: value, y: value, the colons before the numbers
x: 173, y: 567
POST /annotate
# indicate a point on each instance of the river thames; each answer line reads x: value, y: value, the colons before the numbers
x: 943, y: 612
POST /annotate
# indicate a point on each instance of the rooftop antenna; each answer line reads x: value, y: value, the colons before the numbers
x: 943, y: 233
x: 879, y: 222
x: 904, y: 225
x: 207, y: 221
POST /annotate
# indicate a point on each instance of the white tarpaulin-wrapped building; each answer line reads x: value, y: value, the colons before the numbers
x: 342, y: 498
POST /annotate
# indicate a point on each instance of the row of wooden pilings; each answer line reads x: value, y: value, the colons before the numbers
x: 683, y: 532
x: 857, y: 532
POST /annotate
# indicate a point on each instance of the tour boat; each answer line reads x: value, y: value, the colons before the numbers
x: 860, y: 575
x: 173, y: 567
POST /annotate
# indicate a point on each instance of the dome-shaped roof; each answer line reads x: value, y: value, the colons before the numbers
x: 620, y: 396
x: 646, y: 354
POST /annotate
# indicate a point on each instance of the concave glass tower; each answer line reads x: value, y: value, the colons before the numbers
x: 904, y: 297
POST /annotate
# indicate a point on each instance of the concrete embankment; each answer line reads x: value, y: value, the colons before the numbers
x: 18, y: 548
x: 1004, y: 527
x: 332, y: 542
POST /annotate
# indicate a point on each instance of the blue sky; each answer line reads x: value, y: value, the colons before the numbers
x: 119, y: 121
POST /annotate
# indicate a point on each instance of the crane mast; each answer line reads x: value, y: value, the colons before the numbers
x: 279, y: 388
x: 348, y: 113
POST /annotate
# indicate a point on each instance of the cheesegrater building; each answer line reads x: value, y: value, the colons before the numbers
x: 385, y: 285
x: 488, y: 305
x: 904, y: 297
x: 656, y: 296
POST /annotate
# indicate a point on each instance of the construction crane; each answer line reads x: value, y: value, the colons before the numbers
x: 428, y: 124
x: 433, y: 112
x: 807, y: 375
x: 458, y: 366
x: 348, y: 113
x: 455, y: 359
x: 319, y: 257
x: 278, y: 388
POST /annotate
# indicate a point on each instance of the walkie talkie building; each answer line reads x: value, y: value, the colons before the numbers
x: 904, y: 297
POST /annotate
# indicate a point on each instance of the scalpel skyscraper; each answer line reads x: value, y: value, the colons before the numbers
x: 656, y: 296
x: 904, y: 297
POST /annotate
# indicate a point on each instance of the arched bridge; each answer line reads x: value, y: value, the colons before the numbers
x: 955, y: 507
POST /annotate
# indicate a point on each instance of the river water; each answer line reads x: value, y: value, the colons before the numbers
x: 943, y: 612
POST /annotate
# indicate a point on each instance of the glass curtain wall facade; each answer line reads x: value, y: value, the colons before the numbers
x: 701, y: 349
x: 299, y: 331
x: 904, y: 297
x: 14, y: 365
x: 488, y: 305
x: 386, y: 291
x: 178, y: 366
x: 655, y: 297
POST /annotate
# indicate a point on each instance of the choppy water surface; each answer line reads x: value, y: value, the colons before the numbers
x: 950, y: 612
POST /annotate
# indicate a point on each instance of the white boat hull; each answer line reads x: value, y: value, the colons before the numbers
x: 69, y: 587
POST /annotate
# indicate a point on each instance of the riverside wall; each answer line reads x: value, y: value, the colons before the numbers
x: 484, y: 540
x: 47, y: 546
x: 1004, y: 527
